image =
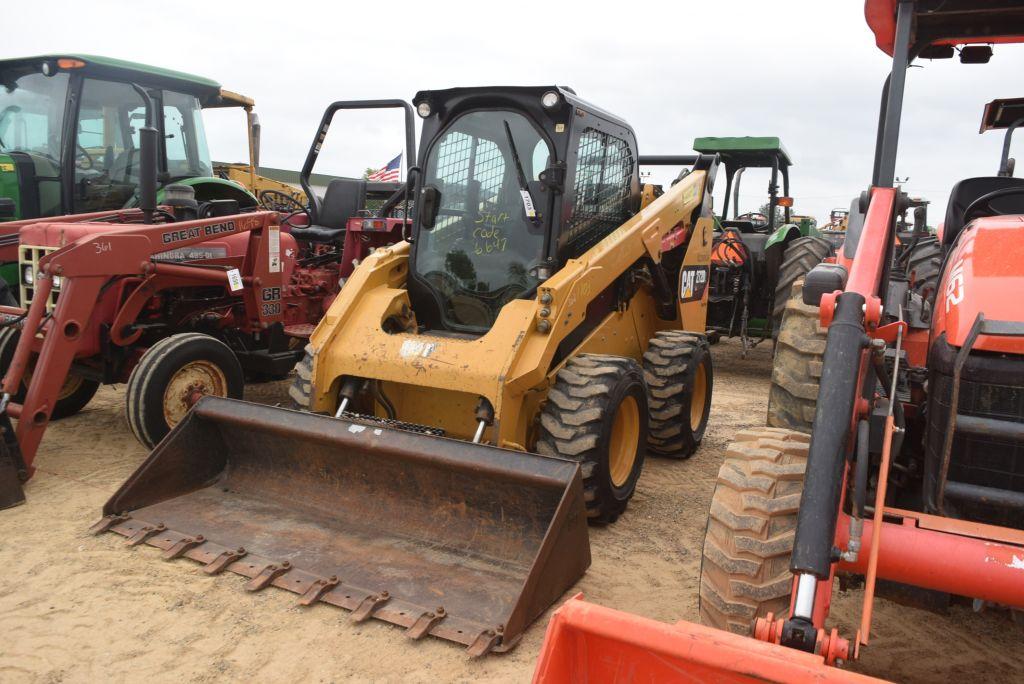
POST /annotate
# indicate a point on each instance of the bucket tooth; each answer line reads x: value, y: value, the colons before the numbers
x: 267, y: 575
x: 424, y: 623
x: 140, y: 535
x: 317, y: 589
x: 106, y: 522
x: 366, y: 608
x: 494, y: 535
x: 223, y: 560
x: 485, y: 642
x: 181, y: 547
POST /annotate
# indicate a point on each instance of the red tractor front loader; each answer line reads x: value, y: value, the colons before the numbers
x: 896, y: 447
x: 179, y: 301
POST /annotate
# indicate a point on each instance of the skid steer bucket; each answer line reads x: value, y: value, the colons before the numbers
x: 463, y: 541
x: 589, y: 643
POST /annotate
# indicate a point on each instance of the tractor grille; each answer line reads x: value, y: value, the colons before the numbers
x: 991, y: 386
x: 28, y: 262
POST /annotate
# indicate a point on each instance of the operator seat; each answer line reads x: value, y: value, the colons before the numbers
x: 344, y: 198
x: 970, y: 189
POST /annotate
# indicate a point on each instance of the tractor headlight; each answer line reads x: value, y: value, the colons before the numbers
x: 549, y: 99
x: 423, y: 109
x: 27, y: 275
x: 56, y: 282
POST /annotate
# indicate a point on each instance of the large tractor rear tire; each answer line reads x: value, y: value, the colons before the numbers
x: 924, y: 266
x: 74, y: 394
x: 751, y: 529
x: 596, y: 413
x: 173, y: 375
x: 802, y: 254
x: 796, y: 368
x: 680, y: 377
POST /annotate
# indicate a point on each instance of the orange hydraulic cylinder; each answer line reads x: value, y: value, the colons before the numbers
x: 942, y: 561
x: 589, y: 643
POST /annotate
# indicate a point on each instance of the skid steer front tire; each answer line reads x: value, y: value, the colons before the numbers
x: 596, y: 413
x: 172, y: 375
x: 744, y: 572
x: 680, y: 377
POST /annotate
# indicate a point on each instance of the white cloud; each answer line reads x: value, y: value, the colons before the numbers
x: 805, y: 70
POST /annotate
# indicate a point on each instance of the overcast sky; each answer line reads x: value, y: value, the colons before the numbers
x: 804, y: 70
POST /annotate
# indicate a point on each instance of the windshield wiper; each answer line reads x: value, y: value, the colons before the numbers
x: 524, y: 189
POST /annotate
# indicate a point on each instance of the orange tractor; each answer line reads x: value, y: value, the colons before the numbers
x: 896, y: 446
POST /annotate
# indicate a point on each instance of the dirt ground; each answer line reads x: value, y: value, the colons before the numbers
x: 79, y: 608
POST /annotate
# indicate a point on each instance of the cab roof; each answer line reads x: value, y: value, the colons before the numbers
x: 749, y: 151
x: 949, y: 22
x: 209, y: 92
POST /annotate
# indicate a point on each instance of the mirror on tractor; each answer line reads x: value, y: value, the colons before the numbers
x: 429, y: 204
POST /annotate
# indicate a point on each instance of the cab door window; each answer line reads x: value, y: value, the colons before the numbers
x: 106, y: 154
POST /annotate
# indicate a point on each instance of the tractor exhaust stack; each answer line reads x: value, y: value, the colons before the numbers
x: 466, y: 542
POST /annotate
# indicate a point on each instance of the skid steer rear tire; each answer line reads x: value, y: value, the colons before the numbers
x: 596, y: 413
x: 74, y: 395
x: 171, y: 375
x: 751, y: 529
x: 796, y: 368
x: 680, y: 378
x: 801, y: 255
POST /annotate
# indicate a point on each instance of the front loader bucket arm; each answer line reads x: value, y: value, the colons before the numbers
x: 586, y: 642
x: 464, y: 541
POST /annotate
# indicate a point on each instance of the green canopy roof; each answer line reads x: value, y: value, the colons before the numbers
x: 207, y: 90
x: 753, y: 151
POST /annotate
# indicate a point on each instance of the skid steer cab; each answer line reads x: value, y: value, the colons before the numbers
x: 485, y: 389
x: 186, y: 299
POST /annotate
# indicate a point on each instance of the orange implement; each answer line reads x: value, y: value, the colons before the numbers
x: 589, y: 643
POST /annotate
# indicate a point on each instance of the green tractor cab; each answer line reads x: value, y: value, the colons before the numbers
x: 69, y: 134
x: 757, y: 255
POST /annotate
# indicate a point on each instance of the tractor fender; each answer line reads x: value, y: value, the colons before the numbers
x: 984, y: 273
x: 210, y: 188
x: 783, y: 234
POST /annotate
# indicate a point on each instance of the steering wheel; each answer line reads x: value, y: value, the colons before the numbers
x: 282, y: 202
x: 983, y: 205
x: 82, y: 152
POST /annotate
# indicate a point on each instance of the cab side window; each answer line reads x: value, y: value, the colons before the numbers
x: 601, y: 191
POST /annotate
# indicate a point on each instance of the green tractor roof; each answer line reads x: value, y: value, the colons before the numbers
x: 209, y: 92
x: 751, y: 151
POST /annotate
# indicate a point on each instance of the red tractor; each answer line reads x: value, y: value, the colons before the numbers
x: 179, y: 300
x: 896, y: 452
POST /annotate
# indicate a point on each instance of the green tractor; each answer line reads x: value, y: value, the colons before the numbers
x: 757, y: 255
x: 69, y: 140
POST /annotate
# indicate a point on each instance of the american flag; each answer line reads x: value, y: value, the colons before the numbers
x: 390, y: 173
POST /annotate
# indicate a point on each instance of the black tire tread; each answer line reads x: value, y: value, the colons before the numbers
x: 138, y: 382
x: 796, y: 368
x: 802, y: 254
x: 667, y: 363
x: 751, y: 529
x: 571, y: 420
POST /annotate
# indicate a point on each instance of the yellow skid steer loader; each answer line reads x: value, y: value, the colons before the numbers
x: 475, y: 395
